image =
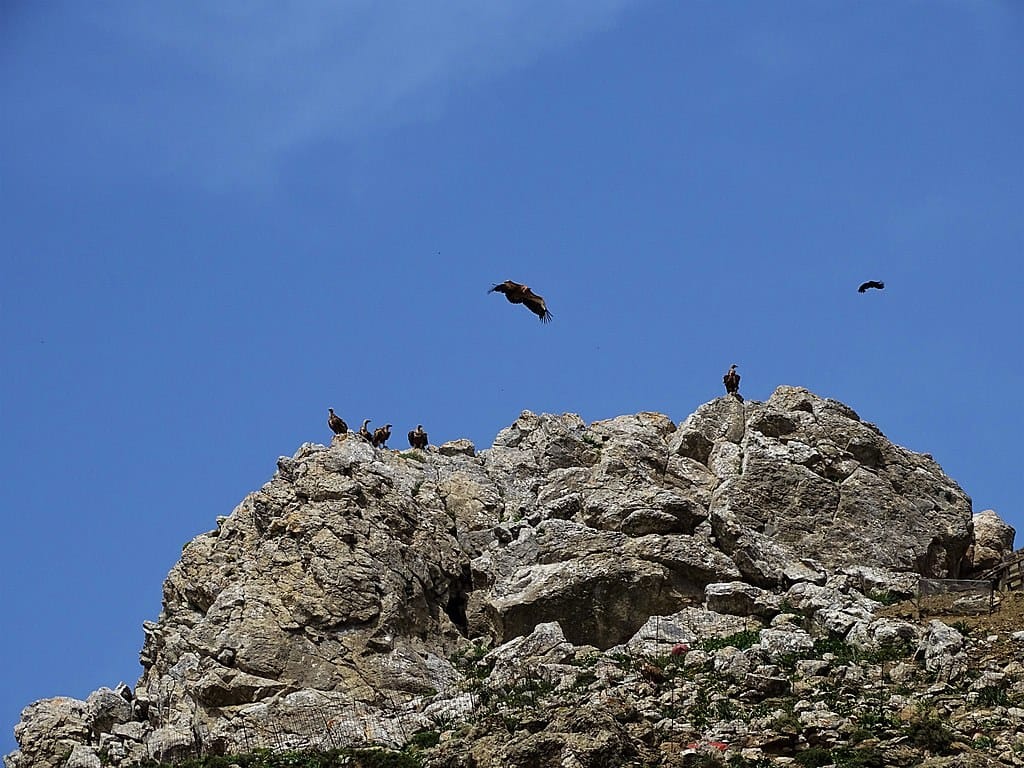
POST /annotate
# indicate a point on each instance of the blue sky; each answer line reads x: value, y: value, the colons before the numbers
x: 220, y: 219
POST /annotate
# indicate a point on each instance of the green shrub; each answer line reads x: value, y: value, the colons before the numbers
x: 864, y: 757
x: 813, y: 757
x: 740, y: 640
x: 930, y: 733
x: 425, y: 739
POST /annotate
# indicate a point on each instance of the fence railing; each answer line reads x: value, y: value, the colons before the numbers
x: 957, y: 597
x: 1009, y: 574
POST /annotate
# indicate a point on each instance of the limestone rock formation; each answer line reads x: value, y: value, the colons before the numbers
x: 342, y: 590
x: 993, y: 541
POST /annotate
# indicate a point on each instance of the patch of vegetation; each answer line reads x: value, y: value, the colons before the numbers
x: 813, y: 757
x: 624, y: 660
x: 787, y: 723
x: 845, y: 652
x: 885, y: 597
x: 424, y: 739
x: 740, y: 640
x: 929, y: 732
x: 865, y: 757
x: 725, y: 709
x: 585, y: 679
x: 525, y: 693
x: 468, y: 662
x: 993, y: 695
x: 962, y: 627
x: 739, y: 761
x: 841, y: 757
x: 983, y: 742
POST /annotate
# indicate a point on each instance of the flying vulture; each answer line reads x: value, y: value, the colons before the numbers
x: 871, y: 284
x: 336, y: 423
x: 364, y: 432
x: 380, y: 436
x: 732, y: 381
x: 521, y: 294
x: 417, y: 437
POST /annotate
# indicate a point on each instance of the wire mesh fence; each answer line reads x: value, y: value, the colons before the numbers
x: 954, y: 597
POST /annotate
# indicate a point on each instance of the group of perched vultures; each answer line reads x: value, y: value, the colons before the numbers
x: 380, y: 436
x: 517, y: 293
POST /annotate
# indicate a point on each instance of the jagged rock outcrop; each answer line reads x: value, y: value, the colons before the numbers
x: 342, y: 589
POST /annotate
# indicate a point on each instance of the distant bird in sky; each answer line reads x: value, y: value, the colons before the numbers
x: 870, y: 284
x: 732, y: 381
x: 417, y: 437
x: 336, y: 423
x: 517, y: 293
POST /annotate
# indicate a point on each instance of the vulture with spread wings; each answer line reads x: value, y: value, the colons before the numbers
x: 517, y: 293
x: 871, y: 284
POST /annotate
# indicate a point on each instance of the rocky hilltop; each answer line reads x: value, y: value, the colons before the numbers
x: 623, y: 592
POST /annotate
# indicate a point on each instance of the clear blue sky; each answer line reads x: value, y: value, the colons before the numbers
x: 218, y: 219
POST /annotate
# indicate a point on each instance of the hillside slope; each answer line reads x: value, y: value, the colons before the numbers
x: 344, y: 601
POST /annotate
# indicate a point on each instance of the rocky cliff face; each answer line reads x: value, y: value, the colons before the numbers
x: 347, y: 587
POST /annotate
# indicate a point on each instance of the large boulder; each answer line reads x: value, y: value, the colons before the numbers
x: 992, y: 542
x: 814, y: 481
x: 50, y: 730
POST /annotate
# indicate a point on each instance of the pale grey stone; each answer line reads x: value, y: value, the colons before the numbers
x: 83, y: 757
x: 741, y: 599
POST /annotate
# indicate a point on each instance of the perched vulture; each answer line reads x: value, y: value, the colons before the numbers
x: 364, y: 432
x: 871, y: 284
x: 380, y: 436
x: 336, y: 423
x: 417, y: 437
x: 732, y: 381
x: 521, y: 294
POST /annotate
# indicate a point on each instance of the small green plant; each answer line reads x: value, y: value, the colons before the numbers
x: 787, y: 722
x: 584, y: 679
x: 862, y: 757
x: 930, y: 733
x: 983, y: 742
x: 425, y: 739
x: 813, y: 757
x: 725, y: 709
x: 992, y: 696
x: 885, y: 597
x: 700, y: 711
x: 740, y: 640
x: 739, y: 761
x: 468, y: 662
x: 962, y: 627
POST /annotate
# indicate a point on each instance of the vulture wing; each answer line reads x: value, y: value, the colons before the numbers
x: 509, y: 288
x: 536, y: 304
